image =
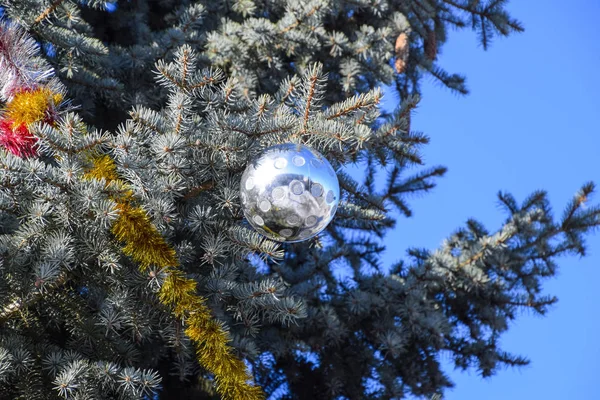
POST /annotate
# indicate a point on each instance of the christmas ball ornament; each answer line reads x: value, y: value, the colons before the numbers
x: 289, y: 193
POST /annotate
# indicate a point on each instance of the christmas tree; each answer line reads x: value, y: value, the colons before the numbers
x: 128, y: 269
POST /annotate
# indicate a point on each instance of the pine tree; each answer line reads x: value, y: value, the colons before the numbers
x: 127, y: 269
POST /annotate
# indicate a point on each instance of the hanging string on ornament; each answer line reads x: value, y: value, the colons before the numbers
x: 289, y: 193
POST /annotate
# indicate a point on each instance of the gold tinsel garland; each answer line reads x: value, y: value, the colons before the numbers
x: 145, y: 245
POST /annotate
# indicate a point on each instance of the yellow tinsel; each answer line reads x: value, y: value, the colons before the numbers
x: 145, y: 245
x: 30, y: 106
x: 213, y: 351
x: 104, y: 168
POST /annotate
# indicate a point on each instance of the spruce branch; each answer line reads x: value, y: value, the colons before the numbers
x: 195, y: 191
x: 299, y: 21
x: 16, y: 306
x: 178, y: 73
x: 362, y: 102
x: 313, y: 78
x: 501, y: 240
x: 49, y: 10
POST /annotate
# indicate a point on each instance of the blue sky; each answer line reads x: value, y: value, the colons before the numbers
x: 530, y: 122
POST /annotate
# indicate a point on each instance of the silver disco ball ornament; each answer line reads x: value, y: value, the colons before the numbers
x: 289, y: 193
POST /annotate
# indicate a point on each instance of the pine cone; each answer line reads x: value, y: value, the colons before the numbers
x: 402, y: 49
x: 431, y: 45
